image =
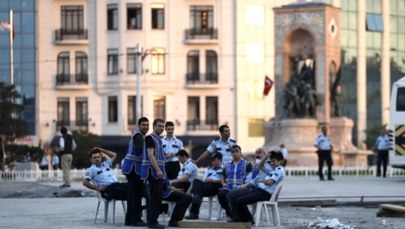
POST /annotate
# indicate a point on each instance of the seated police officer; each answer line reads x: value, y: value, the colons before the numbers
x: 99, y: 175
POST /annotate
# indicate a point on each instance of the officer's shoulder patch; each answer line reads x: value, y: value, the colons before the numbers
x: 231, y: 140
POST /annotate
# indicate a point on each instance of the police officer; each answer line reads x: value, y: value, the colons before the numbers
x: 171, y: 146
x: 131, y: 168
x: 382, y: 146
x: 187, y: 174
x: 221, y: 145
x: 99, y: 175
x: 209, y: 185
x: 322, y: 143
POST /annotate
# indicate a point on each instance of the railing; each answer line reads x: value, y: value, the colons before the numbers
x: 197, y: 78
x: 200, y: 33
x: 196, y: 124
x: 71, y: 34
x: 72, y: 79
x: 77, y: 174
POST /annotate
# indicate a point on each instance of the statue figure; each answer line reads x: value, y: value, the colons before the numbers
x: 335, y: 93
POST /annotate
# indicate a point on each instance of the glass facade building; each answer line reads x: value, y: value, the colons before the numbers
x: 24, y: 52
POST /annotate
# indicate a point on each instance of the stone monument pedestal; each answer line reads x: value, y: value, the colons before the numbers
x: 298, y: 136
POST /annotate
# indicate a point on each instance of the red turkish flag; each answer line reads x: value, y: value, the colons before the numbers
x: 268, y: 83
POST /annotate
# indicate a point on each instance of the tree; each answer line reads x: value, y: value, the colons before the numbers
x: 11, y: 124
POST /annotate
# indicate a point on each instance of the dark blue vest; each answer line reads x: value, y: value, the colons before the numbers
x: 133, y: 158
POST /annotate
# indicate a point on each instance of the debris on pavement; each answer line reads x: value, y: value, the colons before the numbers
x: 334, y: 223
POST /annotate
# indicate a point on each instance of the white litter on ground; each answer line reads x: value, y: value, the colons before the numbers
x: 334, y: 223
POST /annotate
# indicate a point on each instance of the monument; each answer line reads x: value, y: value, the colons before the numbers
x: 307, y: 79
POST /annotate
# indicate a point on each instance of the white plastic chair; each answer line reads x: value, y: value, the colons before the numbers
x: 170, y: 210
x: 211, y: 199
x: 273, y: 203
x: 106, y: 207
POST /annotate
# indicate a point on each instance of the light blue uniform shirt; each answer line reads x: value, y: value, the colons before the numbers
x: 173, y: 145
x: 323, y: 142
x: 189, y: 168
x: 382, y: 142
x: 222, y: 147
x: 213, y: 173
x: 277, y: 174
x: 101, y: 175
x: 257, y: 174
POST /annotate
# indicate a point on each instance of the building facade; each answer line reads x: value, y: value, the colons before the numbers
x: 204, y: 64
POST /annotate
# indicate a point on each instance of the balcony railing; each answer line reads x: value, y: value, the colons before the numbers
x: 200, y: 33
x: 196, y: 124
x: 70, y: 34
x: 78, y: 125
x: 197, y: 78
x: 72, y: 79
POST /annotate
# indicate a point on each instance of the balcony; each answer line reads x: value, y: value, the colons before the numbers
x: 201, y: 36
x: 197, y: 80
x: 71, y: 36
x: 202, y: 125
x: 78, y: 125
x: 72, y: 81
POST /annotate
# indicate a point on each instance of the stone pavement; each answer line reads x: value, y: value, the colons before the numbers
x: 80, y: 212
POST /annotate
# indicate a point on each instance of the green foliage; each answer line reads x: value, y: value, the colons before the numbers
x: 85, y: 142
x: 20, y: 153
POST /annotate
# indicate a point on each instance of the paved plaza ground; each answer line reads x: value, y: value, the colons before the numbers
x: 44, y: 205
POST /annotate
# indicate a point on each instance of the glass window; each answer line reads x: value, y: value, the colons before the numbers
x: 112, y: 17
x: 63, y: 113
x: 256, y: 127
x: 131, y: 60
x: 81, y: 111
x: 81, y: 67
x: 193, y: 65
x: 132, y: 110
x: 193, y: 109
x: 400, y: 99
x: 158, y: 61
x: 63, y: 63
x: 211, y: 106
x: 211, y: 66
x: 112, y: 109
x: 159, y: 107
x: 27, y: 19
x: 72, y: 19
x: 112, y: 60
x: 134, y: 16
x: 158, y: 17
x: 374, y: 22
x: 202, y: 19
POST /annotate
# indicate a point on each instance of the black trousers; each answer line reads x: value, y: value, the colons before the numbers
x: 182, y: 185
x: 201, y: 189
x: 134, y: 202
x: 182, y: 200
x: 239, y: 200
x: 155, y: 188
x: 382, y: 159
x: 117, y: 191
x: 223, y: 201
x: 324, y: 155
x: 172, y: 169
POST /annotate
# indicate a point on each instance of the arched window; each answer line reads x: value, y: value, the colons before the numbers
x: 211, y: 65
x: 81, y: 67
x: 193, y: 66
x: 63, y: 63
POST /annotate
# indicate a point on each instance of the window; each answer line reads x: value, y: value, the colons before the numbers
x: 193, y: 65
x: 112, y: 109
x: 211, y: 107
x: 112, y: 64
x: 112, y: 17
x: 193, y: 109
x: 72, y: 19
x: 63, y: 76
x: 134, y: 16
x: 374, y: 23
x: 158, y: 61
x: 132, y: 110
x: 81, y: 111
x: 256, y: 127
x: 202, y: 18
x: 131, y: 60
x: 158, y: 16
x: 400, y: 99
x: 211, y: 66
x: 63, y: 118
x: 81, y: 67
x: 159, y: 107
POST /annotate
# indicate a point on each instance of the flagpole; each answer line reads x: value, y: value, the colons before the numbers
x: 11, y: 48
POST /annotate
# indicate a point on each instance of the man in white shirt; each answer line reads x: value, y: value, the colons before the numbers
x: 187, y: 174
x: 171, y: 146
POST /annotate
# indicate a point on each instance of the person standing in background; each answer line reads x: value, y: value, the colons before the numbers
x: 171, y: 146
x: 284, y: 151
x: 66, y: 147
x: 382, y: 146
x: 49, y: 160
x: 322, y: 143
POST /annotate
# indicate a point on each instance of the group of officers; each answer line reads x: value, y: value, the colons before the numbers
x: 153, y: 171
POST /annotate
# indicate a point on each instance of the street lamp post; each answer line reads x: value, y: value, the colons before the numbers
x: 139, y: 70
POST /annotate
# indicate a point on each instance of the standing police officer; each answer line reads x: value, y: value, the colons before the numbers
x: 221, y: 145
x: 382, y: 146
x: 171, y: 146
x: 322, y: 143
